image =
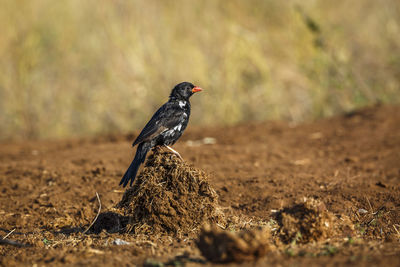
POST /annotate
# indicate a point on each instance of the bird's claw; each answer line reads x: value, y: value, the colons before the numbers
x: 174, y: 151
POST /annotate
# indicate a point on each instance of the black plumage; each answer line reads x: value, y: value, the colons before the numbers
x: 164, y: 128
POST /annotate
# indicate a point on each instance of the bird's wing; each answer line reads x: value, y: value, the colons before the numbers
x: 166, y: 117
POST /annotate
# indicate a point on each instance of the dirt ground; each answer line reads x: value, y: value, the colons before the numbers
x: 350, y: 163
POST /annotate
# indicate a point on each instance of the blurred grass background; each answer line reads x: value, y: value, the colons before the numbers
x: 75, y: 68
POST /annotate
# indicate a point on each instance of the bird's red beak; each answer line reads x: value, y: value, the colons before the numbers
x: 196, y: 89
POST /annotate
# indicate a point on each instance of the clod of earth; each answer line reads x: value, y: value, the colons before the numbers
x: 309, y: 221
x: 111, y: 221
x: 223, y: 246
x: 169, y: 196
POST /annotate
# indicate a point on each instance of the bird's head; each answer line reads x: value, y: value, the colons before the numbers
x: 184, y: 91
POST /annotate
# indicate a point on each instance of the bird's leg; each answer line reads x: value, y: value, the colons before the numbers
x: 174, y: 151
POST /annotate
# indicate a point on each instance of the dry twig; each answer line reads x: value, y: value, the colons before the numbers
x: 98, y: 213
x: 7, y: 235
x: 397, y: 231
x: 369, y: 204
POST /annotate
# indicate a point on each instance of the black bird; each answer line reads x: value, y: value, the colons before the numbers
x: 164, y: 128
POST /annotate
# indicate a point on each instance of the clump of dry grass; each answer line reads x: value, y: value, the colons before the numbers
x: 310, y: 221
x: 168, y: 196
x: 78, y: 68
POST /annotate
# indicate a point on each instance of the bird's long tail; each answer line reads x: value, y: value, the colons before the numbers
x: 140, y: 156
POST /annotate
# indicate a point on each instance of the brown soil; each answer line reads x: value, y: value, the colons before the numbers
x: 262, y: 172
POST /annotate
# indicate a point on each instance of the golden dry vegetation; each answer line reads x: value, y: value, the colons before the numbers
x: 70, y: 68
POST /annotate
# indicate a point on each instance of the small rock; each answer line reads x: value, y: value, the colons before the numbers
x: 120, y: 242
x: 362, y: 211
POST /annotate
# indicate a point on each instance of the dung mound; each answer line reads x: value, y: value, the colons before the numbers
x: 169, y: 196
x: 221, y: 246
x: 309, y: 221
